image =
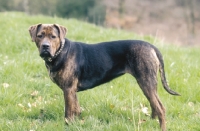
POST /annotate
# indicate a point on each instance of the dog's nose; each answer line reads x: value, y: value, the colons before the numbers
x: 45, y: 45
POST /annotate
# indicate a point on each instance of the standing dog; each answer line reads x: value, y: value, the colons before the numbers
x: 76, y: 66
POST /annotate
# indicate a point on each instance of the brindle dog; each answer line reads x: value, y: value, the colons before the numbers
x: 76, y: 66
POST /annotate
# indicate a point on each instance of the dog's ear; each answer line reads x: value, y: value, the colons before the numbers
x: 62, y: 32
x: 33, y: 31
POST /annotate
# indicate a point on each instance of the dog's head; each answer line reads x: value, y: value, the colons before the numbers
x: 48, y: 38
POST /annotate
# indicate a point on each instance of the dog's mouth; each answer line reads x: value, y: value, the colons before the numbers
x: 45, y: 54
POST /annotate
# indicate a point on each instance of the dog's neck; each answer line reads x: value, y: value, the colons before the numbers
x: 57, y: 53
x: 56, y: 62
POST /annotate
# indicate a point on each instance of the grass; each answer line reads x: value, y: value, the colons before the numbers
x: 29, y: 101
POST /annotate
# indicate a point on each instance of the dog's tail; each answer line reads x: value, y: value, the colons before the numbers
x: 162, y: 74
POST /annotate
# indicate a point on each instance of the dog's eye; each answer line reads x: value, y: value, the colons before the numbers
x: 53, y: 36
x: 39, y: 36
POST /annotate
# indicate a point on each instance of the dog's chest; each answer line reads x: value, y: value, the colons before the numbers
x: 52, y: 75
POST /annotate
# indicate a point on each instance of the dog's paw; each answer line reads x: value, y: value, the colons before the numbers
x: 66, y: 121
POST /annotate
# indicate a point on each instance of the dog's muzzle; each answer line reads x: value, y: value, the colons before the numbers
x: 45, y: 50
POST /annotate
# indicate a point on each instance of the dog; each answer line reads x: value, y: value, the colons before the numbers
x: 76, y: 66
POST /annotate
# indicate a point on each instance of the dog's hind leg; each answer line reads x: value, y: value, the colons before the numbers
x: 150, y: 92
x: 145, y: 69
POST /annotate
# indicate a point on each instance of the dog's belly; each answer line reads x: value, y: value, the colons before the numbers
x: 99, y: 78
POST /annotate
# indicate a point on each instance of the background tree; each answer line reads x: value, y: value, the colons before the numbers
x: 74, y: 8
x: 97, y: 13
x: 6, y: 5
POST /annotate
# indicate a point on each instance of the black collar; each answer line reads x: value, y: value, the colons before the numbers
x: 57, y: 53
x: 55, y: 65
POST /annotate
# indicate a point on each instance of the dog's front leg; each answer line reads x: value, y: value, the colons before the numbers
x: 72, y: 107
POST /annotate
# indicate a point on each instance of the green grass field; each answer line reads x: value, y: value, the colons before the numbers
x: 29, y: 101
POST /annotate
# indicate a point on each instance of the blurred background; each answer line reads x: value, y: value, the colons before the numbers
x: 174, y: 21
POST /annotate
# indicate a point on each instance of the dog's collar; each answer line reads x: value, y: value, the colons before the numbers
x: 53, y: 67
x: 50, y: 59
